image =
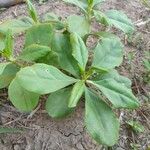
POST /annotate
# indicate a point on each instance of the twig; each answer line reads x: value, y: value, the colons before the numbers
x: 33, y: 112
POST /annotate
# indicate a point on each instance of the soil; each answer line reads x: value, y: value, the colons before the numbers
x: 40, y: 132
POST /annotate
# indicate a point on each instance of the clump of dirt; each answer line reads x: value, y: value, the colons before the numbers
x: 40, y: 132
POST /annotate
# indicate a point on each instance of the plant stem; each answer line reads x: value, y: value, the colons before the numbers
x: 87, y: 74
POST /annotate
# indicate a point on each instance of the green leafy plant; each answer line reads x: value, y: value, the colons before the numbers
x: 54, y: 61
x: 136, y: 126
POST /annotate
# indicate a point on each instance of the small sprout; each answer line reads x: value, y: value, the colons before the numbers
x: 136, y: 126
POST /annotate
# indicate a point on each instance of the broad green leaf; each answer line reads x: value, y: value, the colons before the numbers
x: 32, y: 11
x: 21, y: 98
x: 57, y: 103
x: 120, y: 20
x: 50, y: 59
x: 79, y: 50
x: 16, y: 25
x: 9, y: 43
x: 62, y: 46
x: 34, y: 52
x: 100, y: 120
x: 117, y: 93
x: 43, y: 79
x: 101, y: 17
x: 76, y: 93
x: 113, y: 74
x: 33, y: 35
x: 78, y: 24
x: 82, y: 4
x: 7, y: 73
x: 108, y: 54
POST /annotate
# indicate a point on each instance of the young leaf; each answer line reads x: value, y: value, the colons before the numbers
x: 21, y: 98
x: 82, y: 4
x: 79, y: 50
x: 96, y: 2
x: 7, y: 73
x: 33, y: 35
x: 103, y: 34
x: 78, y: 24
x: 16, y: 25
x: 117, y: 93
x: 108, y: 54
x: 62, y: 46
x: 34, y: 52
x: 113, y: 74
x: 43, y: 79
x: 32, y: 11
x: 2, y: 42
x: 2, y: 45
x: 76, y: 93
x: 57, y: 103
x: 136, y: 126
x: 8, y: 50
x: 101, y: 17
x: 100, y: 120
x: 120, y: 20
x: 51, y: 17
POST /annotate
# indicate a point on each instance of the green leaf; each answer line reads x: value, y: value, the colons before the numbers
x: 50, y: 17
x: 76, y: 93
x: 113, y: 74
x: 9, y: 43
x: 100, y: 120
x: 101, y: 17
x: 34, y: 52
x: 33, y: 35
x: 79, y: 50
x: 136, y: 126
x: 21, y: 98
x: 103, y: 34
x: 117, y: 93
x: 57, y: 103
x: 50, y: 59
x: 78, y: 24
x: 16, y: 25
x: 62, y: 46
x: 32, y: 11
x: 108, y: 54
x: 2, y: 42
x: 82, y: 4
x: 2, y: 45
x: 96, y: 2
x: 54, y: 20
x: 147, y: 64
x: 7, y: 73
x: 120, y: 20
x: 43, y: 79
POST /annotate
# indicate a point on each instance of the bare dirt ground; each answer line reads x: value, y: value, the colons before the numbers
x: 44, y: 133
